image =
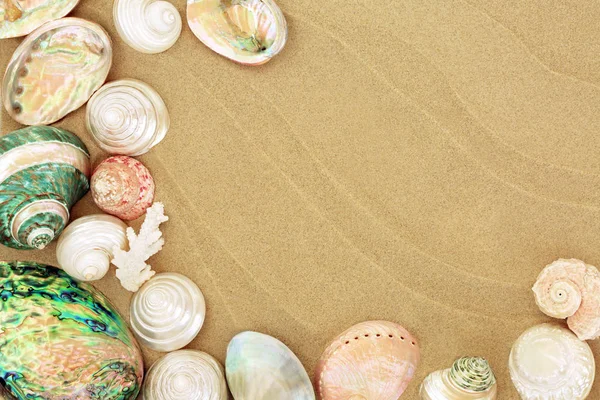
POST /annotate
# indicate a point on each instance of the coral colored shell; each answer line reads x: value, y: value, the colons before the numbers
x: 249, y: 32
x: 167, y: 312
x: 373, y: 360
x: 20, y: 17
x: 185, y: 374
x: 85, y: 248
x: 260, y: 367
x: 548, y: 362
x: 63, y: 339
x: 571, y: 289
x: 469, y: 378
x: 43, y: 173
x: 122, y: 186
x: 127, y: 117
x: 55, y: 70
x: 148, y: 26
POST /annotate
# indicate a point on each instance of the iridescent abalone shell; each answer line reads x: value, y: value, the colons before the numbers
x: 20, y: 17
x: 249, y: 32
x: 55, y: 70
x: 62, y: 339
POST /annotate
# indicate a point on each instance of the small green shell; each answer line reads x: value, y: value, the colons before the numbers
x: 473, y: 374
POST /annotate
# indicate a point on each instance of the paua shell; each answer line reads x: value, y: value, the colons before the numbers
x: 122, y: 186
x: 43, y: 172
x: 548, y: 362
x: 55, y: 70
x: 260, y: 367
x: 469, y: 378
x: 249, y: 32
x: 62, y: 339
x: 20, y: 17
x: 373, y: 360
x: 185, y: 375
x: 167, y: 312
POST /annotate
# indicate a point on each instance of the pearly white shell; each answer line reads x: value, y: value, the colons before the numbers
x: 148, y: 26
x: 469, y: 378
x: 127, y: 117
x: 85, y: 247
x: 260, y: 367
x: 548, y: 362
x: 185, y: 374
x: 167, y: 312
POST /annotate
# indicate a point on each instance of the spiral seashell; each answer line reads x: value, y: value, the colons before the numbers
x: 571, y: 289
x: 23, y: 16
x: 85, y: 248
x: 373, y: 360
x: 167, y: 312
x: 469, y: 378
x: 249, y: 32
x: 43, y: 173
x: 260, y: 367
x: 148, y: 26
x: 127, y: 117
x: 185, y: 374
x: 548, y: 362
x: 122, y: 186
x: 55, y: 70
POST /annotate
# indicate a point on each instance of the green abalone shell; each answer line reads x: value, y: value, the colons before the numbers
x: 62, y: 339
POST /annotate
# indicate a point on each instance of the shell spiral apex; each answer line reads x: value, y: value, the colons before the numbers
x: 43, y: 172
x: 469, y: 378
x: 167, y: 312
x: 571, y: 289
x: 148, y: 26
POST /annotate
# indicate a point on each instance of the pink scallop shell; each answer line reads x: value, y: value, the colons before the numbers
x: 122, y: 186
x: 373, y: 360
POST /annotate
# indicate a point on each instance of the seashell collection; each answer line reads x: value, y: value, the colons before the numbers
x: 51, y: 314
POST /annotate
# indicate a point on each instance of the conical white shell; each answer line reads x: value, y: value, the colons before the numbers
x: 185, y: 375
x: 548, y: 362
x: 148, y: 26
x: 260, y: 367
x: 469, y: 378
x: 85, y: 247
x: 167, y: 312
x: 127, y: 117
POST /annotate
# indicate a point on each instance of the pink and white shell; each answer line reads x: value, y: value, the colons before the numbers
x: 122, y: 186
x: 373, y: 360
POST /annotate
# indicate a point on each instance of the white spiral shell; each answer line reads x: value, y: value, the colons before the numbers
x: 167, y: 312
x: 185, y: 374
x: 127, y: 117
x: 85, y: 247
x: 148, y: 26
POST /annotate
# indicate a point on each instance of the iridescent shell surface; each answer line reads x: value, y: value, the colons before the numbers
x: 62, y: 339
x: 548, y: 362
x: 373, y: 360
x: 249, y: 32
x: 469, y: 378
x: 55, y: 70
x: 260, y: 367
x: 20, y: 17
x: 185, y: 374
x: 122, y: 186
x: 43, y: 172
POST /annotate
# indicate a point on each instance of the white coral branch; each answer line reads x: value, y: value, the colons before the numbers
x: 132, y: 269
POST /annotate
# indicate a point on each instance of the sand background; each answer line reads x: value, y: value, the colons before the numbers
x: 417, y: 161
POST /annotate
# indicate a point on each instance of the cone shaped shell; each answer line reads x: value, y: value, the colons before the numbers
x: 548, y: 362
x: 55, y: 70
x: 260, y: 367
x: 127, y: 117
x: 85, y: 248
x: 23, y: 16
x: 373, y: 360
x: 469, y: 378
x: 185, y: 374
x: 249, y: 32
x: 167, y: 312
x: 43, y: 172
x: 122, y: 186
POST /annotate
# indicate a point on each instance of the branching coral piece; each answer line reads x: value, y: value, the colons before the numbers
x: 132, y: 269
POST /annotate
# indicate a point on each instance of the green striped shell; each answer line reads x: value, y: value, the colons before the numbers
x: 472, y: 374
x: 44, y: 171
